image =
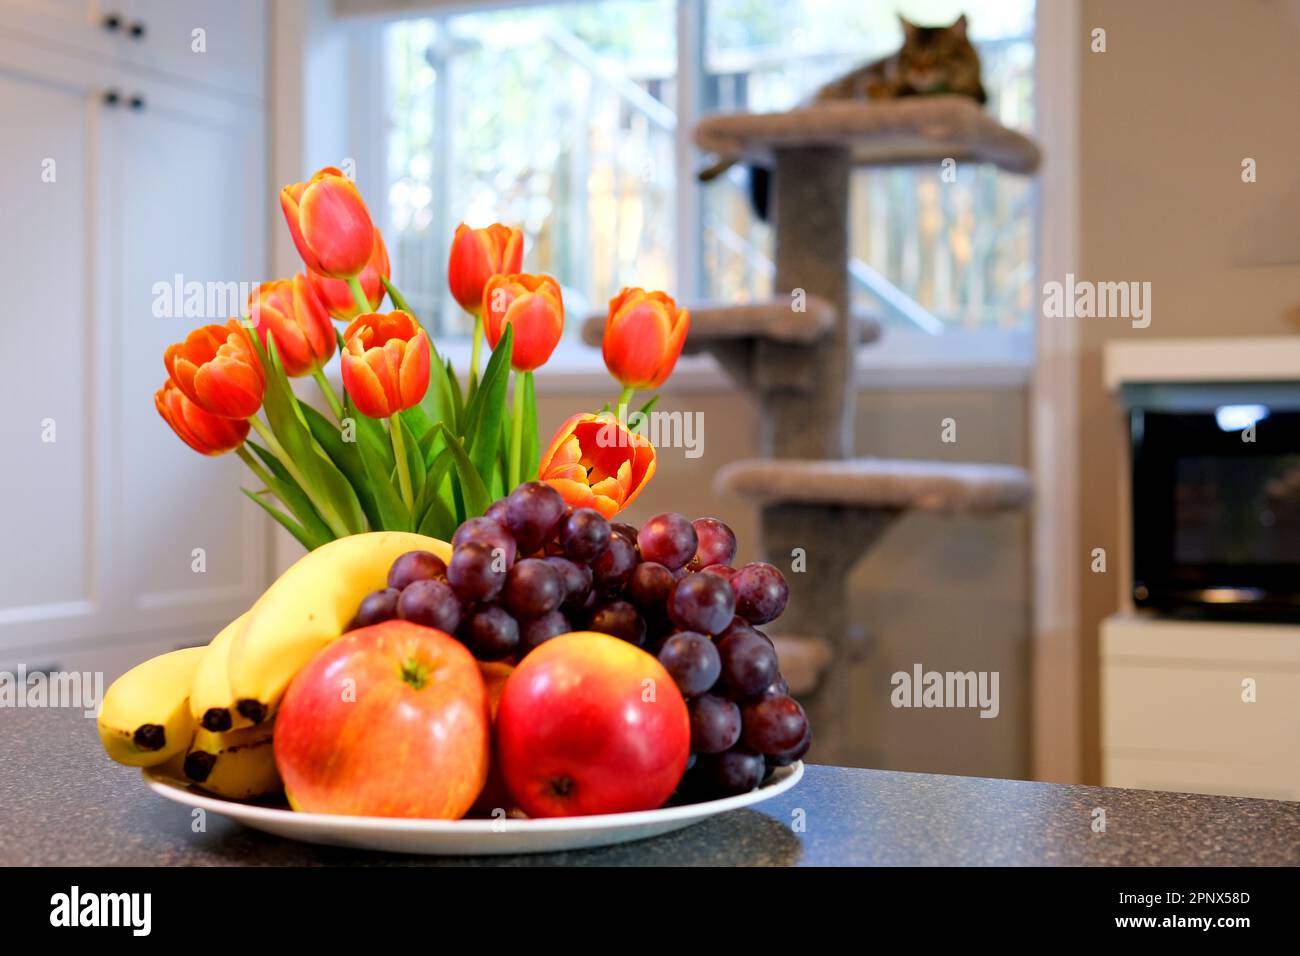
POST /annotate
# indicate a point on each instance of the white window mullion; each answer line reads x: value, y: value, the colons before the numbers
x: 690, y: 78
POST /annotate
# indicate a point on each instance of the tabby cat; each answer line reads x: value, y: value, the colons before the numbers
x: 932, y: 60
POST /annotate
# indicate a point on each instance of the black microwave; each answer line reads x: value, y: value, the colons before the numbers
x: 1216, y: 499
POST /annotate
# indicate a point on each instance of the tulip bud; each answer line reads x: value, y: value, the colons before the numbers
x: 329, y: 223
x: 644, y: 333
x: 216, y: 369
x: 533, y: 307
x: 205, y: 433
x: 595, y: 462
x: 337, y: 295
x: 385, y: 363
x: 290, y: 311
x: 476, y: 256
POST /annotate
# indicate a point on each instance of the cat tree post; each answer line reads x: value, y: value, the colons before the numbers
x: 806, y: 409
x: 798, y: 368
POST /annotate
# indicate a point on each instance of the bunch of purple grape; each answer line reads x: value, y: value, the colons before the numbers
x: 533, y: 568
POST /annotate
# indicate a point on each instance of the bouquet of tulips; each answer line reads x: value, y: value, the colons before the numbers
x: 405, y: 447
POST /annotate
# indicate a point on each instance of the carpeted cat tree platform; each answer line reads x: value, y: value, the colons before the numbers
x: 798, y: 366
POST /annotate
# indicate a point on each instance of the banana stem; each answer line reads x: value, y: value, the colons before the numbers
x: 403, y: 466
x: 359, y: 294
x: 328, y: 391
x: 327, y: 512
x: 516, y: 432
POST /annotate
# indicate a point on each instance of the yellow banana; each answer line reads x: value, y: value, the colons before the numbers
x: 211, y: 701
x: 239, y: 764
x: 173, y: 769
x: 307, y: 608
x: 145, y: 718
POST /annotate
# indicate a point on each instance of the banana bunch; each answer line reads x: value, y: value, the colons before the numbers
x: 202, y: 714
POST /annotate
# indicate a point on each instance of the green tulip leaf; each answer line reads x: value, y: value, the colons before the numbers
x: 457, y: 402
x: 528, y: 457
x: 392, y: 510
x: 414, y: 460
x: 487, y: 409
x: 474, y: 496
x: 291, y: 495
x: 319, y: 478
x: 642, y: 415
x: 346, y: 455
x: 435, y: 510
x: 398, y: 301
x: 305, y: 538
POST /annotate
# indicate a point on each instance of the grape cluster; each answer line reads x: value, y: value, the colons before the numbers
x: 533, y: 568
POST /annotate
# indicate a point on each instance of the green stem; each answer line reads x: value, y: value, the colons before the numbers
x: 403, y: 466
x: 516, y: 432
x: 359, y: 294
x: 326, y: 511
x: 476, y: 347
x: 328, y: 391
x: 254, y: 465
x: 624, y: 397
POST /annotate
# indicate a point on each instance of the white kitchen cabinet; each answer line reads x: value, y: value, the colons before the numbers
x: 220, y: 45
x: 1200, y: 706
x: 115, y: 177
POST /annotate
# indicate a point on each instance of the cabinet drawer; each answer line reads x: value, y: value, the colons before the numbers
x: 1198, y: 710
x: 196, y: 44
x: 1271, y: 781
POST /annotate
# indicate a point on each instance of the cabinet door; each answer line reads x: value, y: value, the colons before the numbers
x: 55, y: 550
x: 221, y: 45
x: 94, y: 27
x: 186, y: 221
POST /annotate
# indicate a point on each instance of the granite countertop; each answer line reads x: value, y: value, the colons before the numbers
x: 62, y: 802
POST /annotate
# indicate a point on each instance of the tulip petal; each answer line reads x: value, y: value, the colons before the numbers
x: 364, y: 387
x: 330, y: 224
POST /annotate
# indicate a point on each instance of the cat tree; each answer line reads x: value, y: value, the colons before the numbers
x: 812, y: 493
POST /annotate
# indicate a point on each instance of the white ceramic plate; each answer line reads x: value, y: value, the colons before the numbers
x: 471, y: 837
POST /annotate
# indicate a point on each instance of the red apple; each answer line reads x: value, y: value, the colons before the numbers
x: 588, y: 723
x: 388, y: 721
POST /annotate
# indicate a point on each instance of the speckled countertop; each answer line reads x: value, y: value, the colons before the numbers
x: 62, y: 802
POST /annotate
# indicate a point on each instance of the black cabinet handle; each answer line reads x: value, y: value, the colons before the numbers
x: 136, y: 102
x: 112, y: 22
x: 137, y: 30
x: 112, y: 97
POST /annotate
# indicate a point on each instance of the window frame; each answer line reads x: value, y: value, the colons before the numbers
x: 995, y: 358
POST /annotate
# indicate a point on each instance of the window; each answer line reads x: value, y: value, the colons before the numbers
x: 563, y: 119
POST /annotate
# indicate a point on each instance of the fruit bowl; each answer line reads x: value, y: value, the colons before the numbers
x: 469, y: 837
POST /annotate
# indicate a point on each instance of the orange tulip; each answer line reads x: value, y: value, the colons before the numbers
x: 338, y: 298
x: 329, y: 223
x: 476, y: 256
x: 532, y: 305
x: 216, y: 369
x: 290, y: 310
x: 644, y: 332
x: 595, y: 462
x: 385, y: 362
x: 205, y: 433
